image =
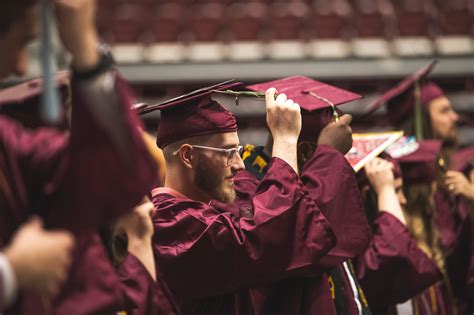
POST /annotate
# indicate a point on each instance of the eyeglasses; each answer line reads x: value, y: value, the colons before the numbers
x: 231, y: 153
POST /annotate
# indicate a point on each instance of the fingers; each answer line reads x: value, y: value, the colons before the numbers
x: 63, y: 239
x: 270, y: 97
x: 281, y: 99
x: 151, y: 209
x: 345, y: 119
x: 35, y: 223
x: 377, y: 165
x: 289, y: 102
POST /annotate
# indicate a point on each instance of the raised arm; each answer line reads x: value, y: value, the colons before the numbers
x: 330, y: 181
x: 109, y: 168
x: 284, y: 122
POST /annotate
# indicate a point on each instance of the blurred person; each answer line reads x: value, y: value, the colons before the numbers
x: 393, y: 269
x: 210, y: 257
x: 449, y: 252
x: 438, y: 120
x: 455, y: 189
x: 35, y: 260
x: 22, y: 102
x: 99, y: 169
x: 330, y: 181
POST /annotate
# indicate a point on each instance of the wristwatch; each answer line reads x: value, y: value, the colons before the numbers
x: 106, y: 61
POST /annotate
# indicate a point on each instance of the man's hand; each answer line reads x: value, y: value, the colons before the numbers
x: 40, y: 258
x: 458, y: 184
x: 338, y: 134
x: 76, y: 26
x: 284, y: 122
x: 283, y: 116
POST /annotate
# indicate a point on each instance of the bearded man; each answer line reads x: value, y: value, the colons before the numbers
x: 210, y: 257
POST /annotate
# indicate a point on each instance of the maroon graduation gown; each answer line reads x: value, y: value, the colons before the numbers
x: 148, y: 296
x: 393, y: 268
x: 331, y: 183
x: 75, y: 181
x: 454, y: 225
x: 447, y: 296
x: 210, y: 257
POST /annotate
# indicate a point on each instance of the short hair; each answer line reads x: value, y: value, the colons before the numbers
x: 11, y: 11
x: 172, y: 147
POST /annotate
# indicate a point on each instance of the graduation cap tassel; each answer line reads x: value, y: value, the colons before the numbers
x: 335, y: 115
x: 49, y: 100
x: 418, y: 115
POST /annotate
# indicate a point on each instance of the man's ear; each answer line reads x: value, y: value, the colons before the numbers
x: 185, y: 155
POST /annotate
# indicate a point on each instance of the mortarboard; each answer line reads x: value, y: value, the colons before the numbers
x: 429, y: 92
x: 420, y: 166
x: 317, y: 100
x: 22, y: 101
x: 402, y: 100
x: 193, y: 114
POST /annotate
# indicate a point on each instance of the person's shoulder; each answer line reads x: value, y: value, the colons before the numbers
x: 169, y: 200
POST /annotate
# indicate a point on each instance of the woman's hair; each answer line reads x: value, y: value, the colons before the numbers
x: 420, y: 214
x: 115, y: 244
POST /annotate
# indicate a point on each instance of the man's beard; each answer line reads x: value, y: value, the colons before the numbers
x: 452, y: 140
x: 217, y: 187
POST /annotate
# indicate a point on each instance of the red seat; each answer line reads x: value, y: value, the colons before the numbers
x: 288, y: 19
x: 328, y: 19
x: 206, y: 21
x: 167, y: 22
x: 246, y: 21
x: 415, y: 18
x: 456, y: 17
x: 128, y: 23
x: 372, y: 18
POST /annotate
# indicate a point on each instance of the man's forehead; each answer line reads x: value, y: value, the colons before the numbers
x: 225, y: 139
x: 441, y: 102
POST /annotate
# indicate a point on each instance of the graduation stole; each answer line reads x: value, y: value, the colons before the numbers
x: 256, y: 160
x: 335, y: 287
x: 338, y: 294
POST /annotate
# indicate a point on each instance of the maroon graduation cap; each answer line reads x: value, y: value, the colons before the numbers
x: 193, y: 114
x: 402, y: 99
x: 317, y: 100
x: 420, y: 166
